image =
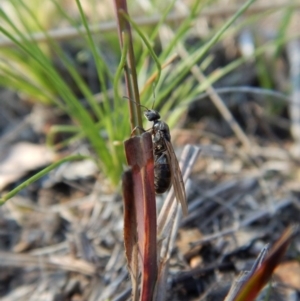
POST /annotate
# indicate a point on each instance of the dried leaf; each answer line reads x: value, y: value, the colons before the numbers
x: 130, y: 231
x: 139, y: 156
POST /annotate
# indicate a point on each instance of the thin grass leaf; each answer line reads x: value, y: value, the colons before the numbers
x: 147, y: 43
x: 184, y: 27
x: 40, y: 174
x: 258, y: 280
x: 124, y: 32
x: 70, y: 67
x: 109, y: 152
x: 283, y: 26
x: 97, y: 58
x: 54, y: 130
x: 121, y: 66
x: 154, y: 33
x: 218, y: 74
x: 176, y: 78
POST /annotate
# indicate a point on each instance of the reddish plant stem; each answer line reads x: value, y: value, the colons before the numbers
x: 124, y: 31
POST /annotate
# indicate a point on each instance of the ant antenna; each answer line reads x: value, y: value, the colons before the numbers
x: 136, y: 103
x: 153, y: 91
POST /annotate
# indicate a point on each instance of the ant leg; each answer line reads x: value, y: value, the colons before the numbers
x: 137, y: 127
x: 140, y: 128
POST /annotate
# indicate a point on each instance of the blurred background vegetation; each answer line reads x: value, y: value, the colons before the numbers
x: 47, y: 59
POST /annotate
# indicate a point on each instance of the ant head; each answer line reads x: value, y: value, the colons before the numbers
x: 152, y: 115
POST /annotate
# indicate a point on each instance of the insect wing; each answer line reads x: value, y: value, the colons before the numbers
x: 177, y: 180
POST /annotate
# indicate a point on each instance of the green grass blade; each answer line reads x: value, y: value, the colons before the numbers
x: 176, y: 78
x: 38, y: 176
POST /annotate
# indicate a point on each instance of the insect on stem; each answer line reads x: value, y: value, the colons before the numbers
x: 166, y: 168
